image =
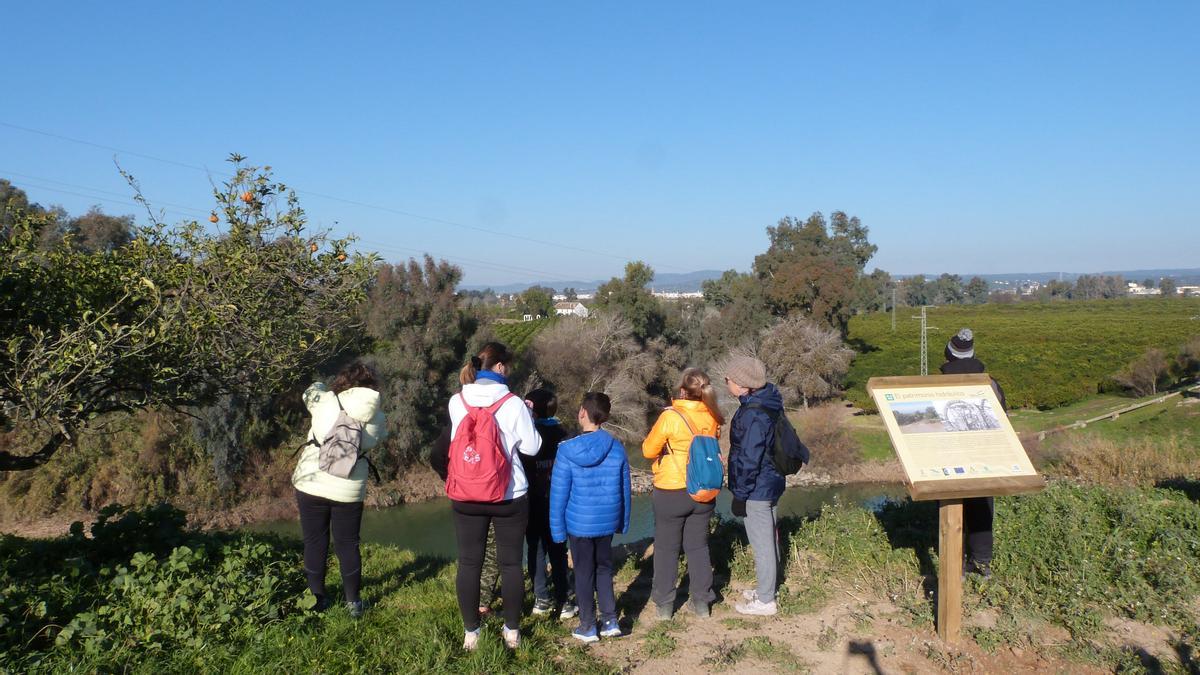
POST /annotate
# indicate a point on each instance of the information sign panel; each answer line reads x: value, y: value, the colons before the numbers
x: 952, y: 437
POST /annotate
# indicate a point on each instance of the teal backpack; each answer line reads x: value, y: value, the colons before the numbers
x: 705, y: 473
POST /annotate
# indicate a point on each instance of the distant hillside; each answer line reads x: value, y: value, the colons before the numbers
x: 681, y: 282
x: 690, y: 281
x: 1181, y: 276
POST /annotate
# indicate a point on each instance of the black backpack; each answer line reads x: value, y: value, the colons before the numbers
x: 789, y: 453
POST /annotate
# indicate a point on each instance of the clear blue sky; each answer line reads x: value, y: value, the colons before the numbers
x: 969, y: 137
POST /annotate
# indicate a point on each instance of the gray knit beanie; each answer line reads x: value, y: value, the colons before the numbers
x: 961, y: 346
x: 745, y: 370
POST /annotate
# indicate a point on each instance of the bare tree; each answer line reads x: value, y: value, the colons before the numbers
x: 576, y: 356
x: 805, y: 358
x: 1143, y: 375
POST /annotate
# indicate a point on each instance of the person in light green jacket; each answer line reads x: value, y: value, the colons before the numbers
x: 326, y: 502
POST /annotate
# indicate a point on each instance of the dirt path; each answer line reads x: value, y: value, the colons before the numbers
x: 848, y: 635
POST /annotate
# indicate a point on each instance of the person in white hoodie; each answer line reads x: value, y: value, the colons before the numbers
x: 484, y: 381
x: 326, y: 501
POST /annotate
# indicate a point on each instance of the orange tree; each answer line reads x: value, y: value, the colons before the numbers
x: 176, y: 317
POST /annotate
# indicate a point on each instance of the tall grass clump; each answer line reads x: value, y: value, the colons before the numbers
x: 1133, y: 462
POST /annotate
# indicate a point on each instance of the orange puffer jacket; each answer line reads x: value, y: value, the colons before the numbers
x: 670, y: 472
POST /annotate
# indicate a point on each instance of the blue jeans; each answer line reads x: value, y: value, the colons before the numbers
x: 539, y: 547
x: 593, y: 578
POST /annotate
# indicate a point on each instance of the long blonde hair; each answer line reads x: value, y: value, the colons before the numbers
x: 697, y: 386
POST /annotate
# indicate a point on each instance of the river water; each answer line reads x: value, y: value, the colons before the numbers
x: 427, y: 527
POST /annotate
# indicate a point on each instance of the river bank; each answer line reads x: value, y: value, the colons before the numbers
x: 417, y: 485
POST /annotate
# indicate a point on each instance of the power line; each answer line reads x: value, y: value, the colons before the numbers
x: 380, y: 246
x: 352, y: 202
x: 100, y: 199
x: 97, y: 190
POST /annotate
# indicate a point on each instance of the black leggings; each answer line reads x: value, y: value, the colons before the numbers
x: 317, y: 514
x: 471, y: 520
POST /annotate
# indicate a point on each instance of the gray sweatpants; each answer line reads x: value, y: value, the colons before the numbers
x: 681, y: 522
x: 760, y: 530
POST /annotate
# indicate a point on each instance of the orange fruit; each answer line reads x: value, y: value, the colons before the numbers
x: 212, y: 218
x: 313, y: 248
x: 341, y: 257
x: 247, y: 196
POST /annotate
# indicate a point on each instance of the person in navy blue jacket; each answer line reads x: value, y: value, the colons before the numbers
x: 753, y: 479
x: 589, y: 503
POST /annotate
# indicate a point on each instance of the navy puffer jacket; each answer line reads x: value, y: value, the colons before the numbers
x: 589, y: 487
x: 752, y: 474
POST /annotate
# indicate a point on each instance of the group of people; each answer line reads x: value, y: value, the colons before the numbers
x: 556, y: 493
x: 586, y: 499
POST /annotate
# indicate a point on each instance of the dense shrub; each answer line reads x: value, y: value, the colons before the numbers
x: 141, y: 584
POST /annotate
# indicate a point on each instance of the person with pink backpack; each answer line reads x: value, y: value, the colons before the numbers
x: 487, y: 486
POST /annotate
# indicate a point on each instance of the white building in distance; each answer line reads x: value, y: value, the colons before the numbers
x: 571, y: 309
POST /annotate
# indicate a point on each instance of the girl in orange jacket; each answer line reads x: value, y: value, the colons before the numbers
x: 679, y: 521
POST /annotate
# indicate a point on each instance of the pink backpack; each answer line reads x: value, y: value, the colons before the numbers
x: 479, y: 469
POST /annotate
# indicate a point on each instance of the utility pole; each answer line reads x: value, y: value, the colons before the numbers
x: 893, y: 308
x: 924, y: 340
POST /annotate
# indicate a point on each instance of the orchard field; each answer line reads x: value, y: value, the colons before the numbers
x: 1044, y: 354
x: 518, y: 336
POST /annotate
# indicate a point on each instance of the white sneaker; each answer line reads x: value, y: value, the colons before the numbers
x: 512, y: 638
x: 471, y: 640
x: 750, y: 594
x: 757, y: 608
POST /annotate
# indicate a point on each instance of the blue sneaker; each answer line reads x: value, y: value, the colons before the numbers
x: 587, y: 634
x: 610, y: 628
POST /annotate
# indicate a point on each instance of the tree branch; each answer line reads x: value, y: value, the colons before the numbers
x: 11, y: 462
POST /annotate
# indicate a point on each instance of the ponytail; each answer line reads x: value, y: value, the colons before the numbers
x: 469, y: 371
x: 492, y: 354
x: 698, y: 387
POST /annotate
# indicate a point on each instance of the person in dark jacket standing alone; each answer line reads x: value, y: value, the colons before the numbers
x: 977, y: 511
x: 753, y: 479
x: 539, y: 545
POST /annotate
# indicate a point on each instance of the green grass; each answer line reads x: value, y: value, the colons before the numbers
x: 873, y: 444
x: 1044, y: 354
x: 1160, y: 420
x: 1069, y: 556
x: 1032, y: 419
x: 143, y: 594
x: 238, y: 608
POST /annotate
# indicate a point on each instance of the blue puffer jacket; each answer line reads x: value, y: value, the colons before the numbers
x: 589, y: 488
x: 752, y: 474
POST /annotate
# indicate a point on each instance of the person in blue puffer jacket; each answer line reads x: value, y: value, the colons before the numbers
x: 753, y: 479
x: 589, y: 503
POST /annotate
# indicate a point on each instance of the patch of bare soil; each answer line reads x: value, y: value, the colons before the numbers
x: 1153, y: 644
x: 847, y: 635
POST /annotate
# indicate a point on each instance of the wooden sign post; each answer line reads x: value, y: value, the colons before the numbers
x: 955, y: 442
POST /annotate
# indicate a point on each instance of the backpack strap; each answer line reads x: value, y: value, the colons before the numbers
x: 758, y: 406
x: 679, y: 412
x: 339, y: 402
